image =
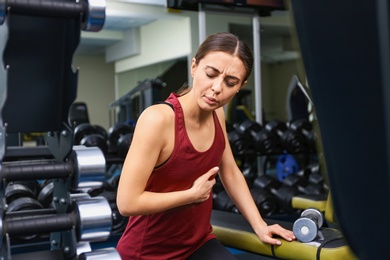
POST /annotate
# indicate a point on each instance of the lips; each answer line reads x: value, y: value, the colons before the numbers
x: 211, y: 100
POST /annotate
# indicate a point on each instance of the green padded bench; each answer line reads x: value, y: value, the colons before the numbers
x: 234, y: 231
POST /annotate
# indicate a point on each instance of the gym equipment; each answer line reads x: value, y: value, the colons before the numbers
x: 15, y: 190
x: 109, y: 192
x: 223, y: 202
x: 131, y: 105
x: 286, y: 165
x: 304, y: 127
x: 78, y: 113
x: 291, y: 141
x: 242, y: 145
x: 249, y: 170
x: 265, y: 202
x: 25, y: 200
x: 234, y: 231
x: 282, y: 193
x: 306, y: 227
x: 92, y: 12
x: 45, y: 196
x: 101, y: 254
x: 38, y: 85
x: 90, y: 135
x: 86, y: 167
x: 120, y: 136
x: 42, y: 68
x: 237, y: 109
x: 265, y: 141
x: 23, y: 204
x: 91, y: 217
x: 303, y: 185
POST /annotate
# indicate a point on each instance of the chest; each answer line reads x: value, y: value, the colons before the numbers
x: 201, y: 135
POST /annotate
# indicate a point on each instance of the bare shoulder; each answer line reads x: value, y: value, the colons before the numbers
x: 156, y: 116
x: 153, y: 121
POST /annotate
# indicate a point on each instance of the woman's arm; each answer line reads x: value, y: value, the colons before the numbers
x: 235, y: 185
x: 154, y: 128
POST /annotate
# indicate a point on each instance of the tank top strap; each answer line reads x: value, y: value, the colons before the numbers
x: 179, y: 116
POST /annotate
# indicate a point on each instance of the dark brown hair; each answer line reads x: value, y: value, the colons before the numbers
x: 228, y: 43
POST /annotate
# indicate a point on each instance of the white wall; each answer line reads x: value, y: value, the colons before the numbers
x: 96, y: 87
x: 160, y: 41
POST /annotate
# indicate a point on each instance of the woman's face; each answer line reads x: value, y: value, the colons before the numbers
x: 216, y: 79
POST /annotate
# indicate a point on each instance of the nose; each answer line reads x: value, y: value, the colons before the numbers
x: 217, y: 86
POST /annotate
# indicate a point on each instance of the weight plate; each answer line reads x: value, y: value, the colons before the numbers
x: 16, y: 190
x: 81, y: 131
x: 95, y: 15
x: 305, y: 229
x: 24, y: 203
x: 117, y: 130
x: 314, y: 213
x: 45, y: 196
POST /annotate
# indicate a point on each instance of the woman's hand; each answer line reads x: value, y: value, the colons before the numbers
x: 203, y: 185
x: 266, y: 234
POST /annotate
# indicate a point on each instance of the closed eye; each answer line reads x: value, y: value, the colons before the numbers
x: 231, y: 81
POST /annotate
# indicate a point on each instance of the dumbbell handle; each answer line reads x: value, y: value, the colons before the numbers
x: 92, y: 227
x: 38, y: 224
x: 48, y: 8
x: 91, y: 12
x: 46, y: 170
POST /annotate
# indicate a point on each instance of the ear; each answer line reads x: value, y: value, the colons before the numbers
x: 193, y: 66
x: 242, y: 85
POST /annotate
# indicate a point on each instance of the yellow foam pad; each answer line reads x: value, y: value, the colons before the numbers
x: 240, y: 236
x: 305, y: 202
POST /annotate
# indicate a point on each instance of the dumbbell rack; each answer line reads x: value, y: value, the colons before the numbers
x: 75, y: 216
x: 37, y: 87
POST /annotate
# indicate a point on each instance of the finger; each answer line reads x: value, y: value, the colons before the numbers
x: 284, y: 233
x: 272, y: 241
x: 213, y: 172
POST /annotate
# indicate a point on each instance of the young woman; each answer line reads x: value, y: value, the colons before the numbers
x: 177, y: 150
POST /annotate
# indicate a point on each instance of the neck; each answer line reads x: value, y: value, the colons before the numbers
x: 192, y: 110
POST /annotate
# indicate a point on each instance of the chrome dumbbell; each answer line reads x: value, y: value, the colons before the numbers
x: 306, y: 227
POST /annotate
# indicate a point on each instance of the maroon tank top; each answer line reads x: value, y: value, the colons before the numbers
x: 178, y: 232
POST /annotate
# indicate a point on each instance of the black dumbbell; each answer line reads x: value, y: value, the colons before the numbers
x: 306, y: 227
x: 292, y: 141
x: 282, y: 193
x: 218, y: 187
x: 120, y: 136
x: 306, y: 128
x: 20, y: 196
x: 223, y: 202
x: 45, y: 196
x: 20, y: 189
x: 316, y: 181
x: 265, y: 142
x: 241, y: 144
x: 302, y: 184
x: 249, y: 170
x: 265, y: 201
x: 90, y: 135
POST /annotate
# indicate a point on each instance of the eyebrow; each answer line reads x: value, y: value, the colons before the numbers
x: 228, y: 76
